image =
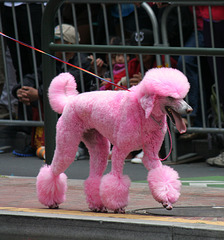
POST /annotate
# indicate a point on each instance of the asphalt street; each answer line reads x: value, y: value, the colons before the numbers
x: 22, y: 216
x: 11, y: 165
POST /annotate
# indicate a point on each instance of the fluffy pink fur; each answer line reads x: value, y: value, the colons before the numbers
x: 164, y: 184
x: 59, y: 93
x: 128, y: 119
x: 51, y: 189
x: 92, y: 191
x: 114, y: 191
x: 168, y: 82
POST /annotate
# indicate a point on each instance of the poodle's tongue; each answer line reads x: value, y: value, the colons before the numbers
x: 179, y: 122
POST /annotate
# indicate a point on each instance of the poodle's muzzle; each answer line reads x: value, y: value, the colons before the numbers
x: 175, y: 108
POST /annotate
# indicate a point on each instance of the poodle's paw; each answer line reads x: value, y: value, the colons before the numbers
x: 167, y: 205
x: 100, y: 210
x: 51, y: 189
x: 164, y: 185
x: 114, y: 192
x: 120, y: 210
x: 54, y: 206
x: 92, y: 191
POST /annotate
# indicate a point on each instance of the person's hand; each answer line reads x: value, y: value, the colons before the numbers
x: 22, y: 96
x: 103, y: 83
x: 161, y: 4
x: 99, y: 61
x: 135, y: 79
x: 27, y: 94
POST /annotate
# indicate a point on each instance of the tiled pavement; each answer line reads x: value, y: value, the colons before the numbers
x: 22, y: 217
x: 20, y: 192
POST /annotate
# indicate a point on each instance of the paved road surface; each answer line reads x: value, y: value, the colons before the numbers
x: 17, y: 166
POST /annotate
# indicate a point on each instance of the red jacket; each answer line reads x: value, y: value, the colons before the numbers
x: 217, y: 12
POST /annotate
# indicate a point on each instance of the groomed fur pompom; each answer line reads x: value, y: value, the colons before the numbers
x: 61, y: 89
x: 92, y: 191
x: 51, y: 189
x: 114, y: 191
x: 166, y: 82
x: 164, y: 184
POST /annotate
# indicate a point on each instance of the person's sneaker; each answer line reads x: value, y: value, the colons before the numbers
x: 110, y: 155
x: 216, y: 161
x: 138, y: 158
x: 82, y: 154
x: 28, y: 151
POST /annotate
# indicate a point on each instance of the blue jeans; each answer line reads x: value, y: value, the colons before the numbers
x: 191, y: 66
x: 219, y: 43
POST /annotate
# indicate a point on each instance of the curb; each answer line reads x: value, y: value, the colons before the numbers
x: 85, y: 225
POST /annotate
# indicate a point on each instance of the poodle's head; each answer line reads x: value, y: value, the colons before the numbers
x: 162, y: 91
x: 166, y: 82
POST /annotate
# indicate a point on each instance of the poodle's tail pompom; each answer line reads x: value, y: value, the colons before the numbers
x: 61, y: 89
x: 164, y: 185
x: 51, y: 189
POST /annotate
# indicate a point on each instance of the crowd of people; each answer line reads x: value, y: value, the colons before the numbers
x: 26, y: 82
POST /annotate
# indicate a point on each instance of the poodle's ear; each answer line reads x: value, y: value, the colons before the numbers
x: 147, y: 102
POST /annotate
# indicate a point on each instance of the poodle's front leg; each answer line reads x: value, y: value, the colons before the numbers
x: 163, y: 180
x: 114, y: 188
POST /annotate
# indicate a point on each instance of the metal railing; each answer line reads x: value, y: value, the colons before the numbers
x: 51, y: 14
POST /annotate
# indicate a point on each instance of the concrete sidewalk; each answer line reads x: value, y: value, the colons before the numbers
x: 199, y: 214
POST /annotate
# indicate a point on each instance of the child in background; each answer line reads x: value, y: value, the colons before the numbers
x: 145, y: 37
x: 118, y: 63
x: 118, y: 67
x: 30, y: 92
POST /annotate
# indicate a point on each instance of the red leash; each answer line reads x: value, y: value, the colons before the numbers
x: 60, y: 60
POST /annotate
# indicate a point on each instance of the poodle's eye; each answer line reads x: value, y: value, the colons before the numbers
x: 170, y: 98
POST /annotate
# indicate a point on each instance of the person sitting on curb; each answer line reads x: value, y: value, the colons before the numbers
x: 32, y: 91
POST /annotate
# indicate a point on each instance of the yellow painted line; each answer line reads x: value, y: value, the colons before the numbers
x: 112, y: 215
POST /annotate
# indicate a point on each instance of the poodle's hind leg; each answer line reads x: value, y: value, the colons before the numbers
x: 51, y: 181
x: 99, y: 148
x: 114, y: 188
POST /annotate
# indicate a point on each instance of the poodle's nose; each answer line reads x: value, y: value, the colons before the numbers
x: 189, y: 110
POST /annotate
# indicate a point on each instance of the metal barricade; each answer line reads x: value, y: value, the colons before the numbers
x: 52, y: 15
x: 15, y: 75
x: 206, y: 112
